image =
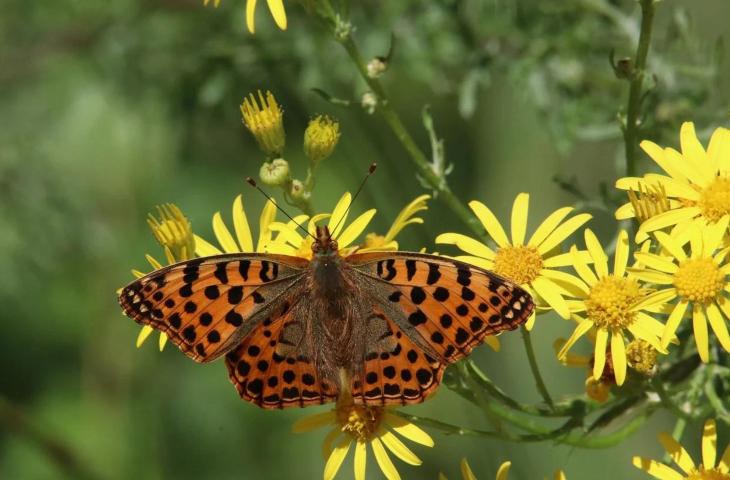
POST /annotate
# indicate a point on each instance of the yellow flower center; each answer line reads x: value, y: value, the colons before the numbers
x: 519, y: 263
x: 715, y: 200
x: 359, y: 422
x: 305, y: 248
x: 373, y: 240
x: 711, y: 474
x: 699, y: 280
x: 611, y: 300
x: 641, y: 356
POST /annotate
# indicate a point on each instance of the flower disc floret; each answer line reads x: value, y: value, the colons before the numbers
x: 712, y: 474
x: 610, y: 301
x: 715, y: 199
x: 519, y: 262
x: 699, y: 280
x: 359, y: 422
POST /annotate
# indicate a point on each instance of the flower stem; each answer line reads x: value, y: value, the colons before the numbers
x: 631, y: 128
x: 527, y: 341
x: 418, y: 158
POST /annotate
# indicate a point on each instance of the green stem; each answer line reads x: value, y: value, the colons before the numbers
x: 418, y: 158
x: 631, y: 128
x: 527, y: 341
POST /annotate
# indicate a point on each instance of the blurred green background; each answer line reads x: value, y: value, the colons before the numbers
x: 109, y: 108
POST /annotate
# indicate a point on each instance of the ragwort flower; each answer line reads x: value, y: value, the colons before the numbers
x: 406, y: 217
x: 502, y: 472
x: 612, y: 304
x: 276, y: 7
x: 709, y: 469
x: 363, y: 426
x: 533, y: 263
x: 697, y: 280
x: 697, y: 181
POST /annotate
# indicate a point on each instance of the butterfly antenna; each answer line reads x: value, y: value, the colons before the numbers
x: 371, y: 170
x: 252, y: 182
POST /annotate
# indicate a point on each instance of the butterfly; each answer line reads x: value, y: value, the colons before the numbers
x: 379, y: 326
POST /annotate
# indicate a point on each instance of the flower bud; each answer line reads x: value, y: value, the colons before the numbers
x: 369, y: 102
x: 376, y: 67
x: 274, y: 173
x: 321, y: 138
x: 264, y: 119
x: 173, y: 231
x: 297, y: 192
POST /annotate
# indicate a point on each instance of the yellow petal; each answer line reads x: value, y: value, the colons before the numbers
x: 565, y: 259
x: 204, y: 248
x: 493, y: 342
x: 621, y: 256
x: 717, y: 322
x: 277, y: 11
x: 337, y: 457
x: 709, y: 444
x: 519, y: 218
x: 354, y: 230
x: 467, y: 244
x: 579, y: 331
x: 618, y: 357
x: 563, y: 232
x: 672, y: 187
x: 719, y: 149
x: 546, y: 289
x: 673, y: 322
x: 224, y: 235
x: 668, y: 218
x: 600, y: 353
x: 408, y: 430
x: 600, y: 259
x: 313, y: 422
x: 339, y: 214
x: 268, y: 214
x: 625, y: 211
x: 490, y: 223
x: 548, y: 225
x: 724, y: 465
x: 694, y: 154
x: 565, y: 278
x: 673, y: 247
x: 559, y: 475
x: 398, y: 448
x: 241, y: 227
x: 651, y: 276
x: 655, y: 298
x: 699, y: 326
x: 656, y: 469
x: 329, y: 439
x: 477, y: 261
x: 384, y: 462
x: 250, y: 11
x: 678, y: 454
x: 144, y: 333
x: 663, y: 264
x: 501, y: 473
x: 360, y: 460
x: 162, y: 341
x: 531, y: 321
x: 580, y: 266
x: 639, y: 330
x: 669, y: 165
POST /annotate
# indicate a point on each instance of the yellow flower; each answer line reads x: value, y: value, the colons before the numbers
x: 709, y: 469
x: 276, y: 7
x: 406, y: 217
x: 613, y: 303
x: 264, y: 118
x: 502, y: 472
x: 320, y: 138
x: 364, y: 426
x: 174, y: 233
x: 698, y: 280
x: 532, y: 264
x: 697, y: 182
x: 290, y: 241
x: 243, y: 241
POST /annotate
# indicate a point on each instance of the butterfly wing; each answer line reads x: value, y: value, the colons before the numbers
x: 206, y: 306
x: 443, y: 307
x: 271, y: 368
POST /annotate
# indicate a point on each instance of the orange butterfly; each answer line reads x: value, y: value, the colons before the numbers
x: 380, y: 326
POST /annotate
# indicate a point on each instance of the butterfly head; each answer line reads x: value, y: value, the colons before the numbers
x: 324, y: 244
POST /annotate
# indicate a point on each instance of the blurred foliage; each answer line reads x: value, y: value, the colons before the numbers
x: 108, y: 108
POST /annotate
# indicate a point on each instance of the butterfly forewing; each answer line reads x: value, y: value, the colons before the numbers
x: 446, y: 307
x: 207, y: 305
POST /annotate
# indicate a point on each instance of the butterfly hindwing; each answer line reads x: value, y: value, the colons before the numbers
x: 207, y: 305
x: 395, y: 371
x: 270, y: 369
x: 445, y: 306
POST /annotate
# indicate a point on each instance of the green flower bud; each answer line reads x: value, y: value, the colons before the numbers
x: 275, y: 173
x: 297, y: 192
x: 321, y: 138
x: 376, y: 67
